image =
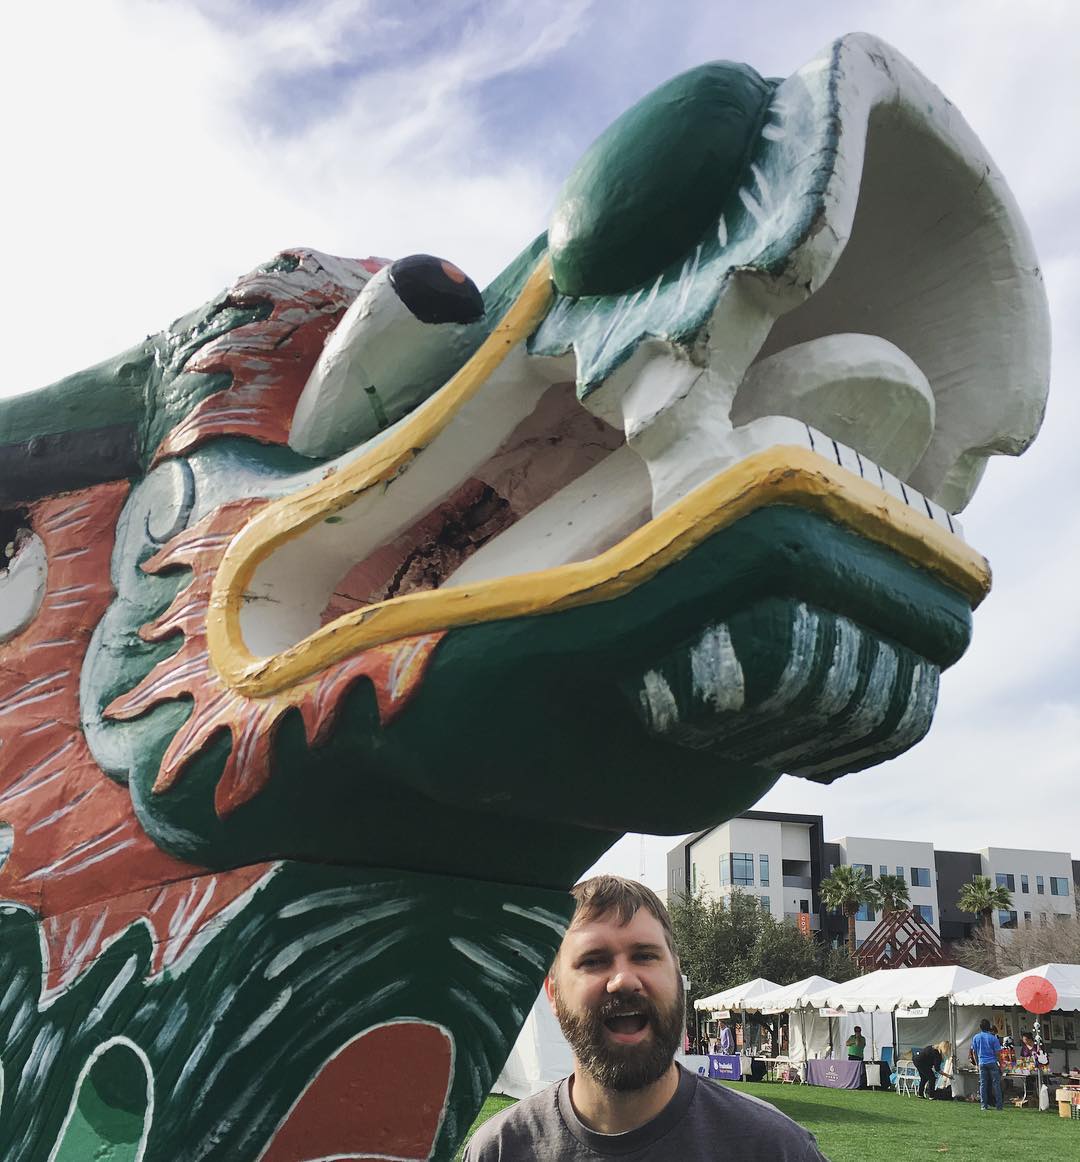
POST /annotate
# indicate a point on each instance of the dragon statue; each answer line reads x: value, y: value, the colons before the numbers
x: 347, y: 620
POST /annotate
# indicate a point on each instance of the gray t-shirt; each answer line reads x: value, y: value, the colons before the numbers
x: 703, y: 1122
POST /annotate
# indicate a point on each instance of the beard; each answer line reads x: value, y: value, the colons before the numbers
x: 623, y: 1068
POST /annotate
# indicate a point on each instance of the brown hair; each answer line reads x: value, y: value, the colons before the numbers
x: 602, y: 895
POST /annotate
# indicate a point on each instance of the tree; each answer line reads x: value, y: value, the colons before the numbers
x: 1056, y: 941
x: 731, y: 940
x: 982, y: 899
x: 846, y: 890
x: 892, y: 893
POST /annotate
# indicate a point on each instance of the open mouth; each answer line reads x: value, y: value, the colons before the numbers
x: 505, y: 495
x: 860, y: 326
x: 627, y: 1028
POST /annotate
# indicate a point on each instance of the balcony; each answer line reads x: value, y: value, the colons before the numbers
x: 798, y: 882
x: 815, y: 920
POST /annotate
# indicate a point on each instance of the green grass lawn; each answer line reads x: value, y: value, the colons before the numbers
x: 865, y: 1125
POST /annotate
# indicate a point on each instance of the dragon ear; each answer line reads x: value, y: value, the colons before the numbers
x: 82, y: 430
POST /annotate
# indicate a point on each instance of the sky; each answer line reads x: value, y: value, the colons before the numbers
x: 155, y: 150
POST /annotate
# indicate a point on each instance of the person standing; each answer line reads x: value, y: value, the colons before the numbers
x: 927, y: 1062
x: 856, y: 1045
x: 985, y: 1046
x: 727, y: 1042
x: 617, y: 993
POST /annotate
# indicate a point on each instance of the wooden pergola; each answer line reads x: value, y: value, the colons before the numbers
x: 901, y: 939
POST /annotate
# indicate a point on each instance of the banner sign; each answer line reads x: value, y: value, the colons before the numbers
x: 912, y: 1013
x: 830, y: 1012
x: 726, y: 1067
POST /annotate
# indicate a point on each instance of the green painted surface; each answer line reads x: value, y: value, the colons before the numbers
x: 317, y: 956
x: 111, y: 1111
x: 647, y: 190
x: 489, y: 754
x: 531, y: 744
x: 763, y: 219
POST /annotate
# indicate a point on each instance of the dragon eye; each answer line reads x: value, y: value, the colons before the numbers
x: 435, y: 290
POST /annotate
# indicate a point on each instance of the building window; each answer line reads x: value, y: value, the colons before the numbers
x: 1042, y: 919
x: 926, y: 912
x: 1059, y: 886
x: 1006, y: 919
x: 900, y: 872
x: 766, y: 904
x: 742, y: 869
x: 1040, y: 885
x: 763, y: 868
x: 1027, y: 919
x: 883, y: 869
x: 1024, y: 883
x: 866, y: 869
x: 865, y: 912
x: 920, y: 877
x: 725, y: 869
x: 1006, y: 880
x: 804, y: 906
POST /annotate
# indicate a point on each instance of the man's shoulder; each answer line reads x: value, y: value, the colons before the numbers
x: 529, y: 1120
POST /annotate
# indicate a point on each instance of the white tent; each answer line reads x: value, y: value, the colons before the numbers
x: 539, y: 1057
x: 789, y: 996
x: 899, y: 990
x: 889, y: 989
x: 738, y: 997
x: 1002, y: 993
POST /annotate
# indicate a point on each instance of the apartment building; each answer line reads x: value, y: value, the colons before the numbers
x: 782, y: 858
x: 778, y: 858
x: 1041, y: 883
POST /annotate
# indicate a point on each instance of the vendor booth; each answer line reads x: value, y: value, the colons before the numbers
x: 1005, y: 1003
x: 740, y: 999
x: 900, y: 1010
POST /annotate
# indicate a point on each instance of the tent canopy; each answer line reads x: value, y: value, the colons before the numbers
x: 737, y: 997
x: 789, y: 996
x: 1002, y: 993
x: 897, y: 988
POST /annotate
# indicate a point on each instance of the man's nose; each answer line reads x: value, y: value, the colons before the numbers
x: 625, y: 980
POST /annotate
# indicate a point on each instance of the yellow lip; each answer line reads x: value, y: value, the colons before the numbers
x: 785, y: 475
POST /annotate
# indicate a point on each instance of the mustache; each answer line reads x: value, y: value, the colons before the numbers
x: 621, y: 1006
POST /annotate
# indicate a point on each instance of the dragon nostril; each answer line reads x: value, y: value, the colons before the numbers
x: 435, y: 290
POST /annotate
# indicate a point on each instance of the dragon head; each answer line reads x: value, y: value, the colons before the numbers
x: 417, y: 576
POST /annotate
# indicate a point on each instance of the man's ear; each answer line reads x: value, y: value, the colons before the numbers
x: 549, y: 988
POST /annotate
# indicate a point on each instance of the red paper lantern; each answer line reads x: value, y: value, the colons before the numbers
x: 1036, y: 994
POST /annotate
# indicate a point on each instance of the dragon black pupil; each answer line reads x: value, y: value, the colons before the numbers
x: 435, y: 290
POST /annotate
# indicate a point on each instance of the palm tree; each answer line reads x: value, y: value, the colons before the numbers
x: 892, y: 893
x: 982, y: 899
x: 846, y: 890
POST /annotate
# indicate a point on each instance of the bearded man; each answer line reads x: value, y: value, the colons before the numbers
x: 617, y: 991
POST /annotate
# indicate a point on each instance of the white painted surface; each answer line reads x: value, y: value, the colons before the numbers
x: 922, y: 243
x: 859, y: 389
x: 378, y: 344
x: 22, y: 586
x: 583, y: 519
